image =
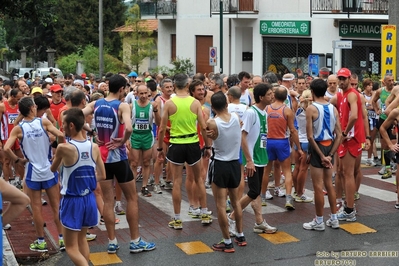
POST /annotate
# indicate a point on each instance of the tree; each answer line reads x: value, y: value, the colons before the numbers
x: 139, y: 39
x: 89, y: 56
x: 77, y: 24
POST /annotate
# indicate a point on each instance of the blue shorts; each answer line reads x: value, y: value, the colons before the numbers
x: 278, y: 149
x: 78, y: 212
x: 39, y: 185
x: 304, y: 147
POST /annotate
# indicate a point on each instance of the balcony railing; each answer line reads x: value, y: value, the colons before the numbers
x: 235, y: 6
x: 349, y: 6
x: 157, y: 8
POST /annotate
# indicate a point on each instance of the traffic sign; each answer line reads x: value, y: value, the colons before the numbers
x: 212, y: 56
x: 342, y: 44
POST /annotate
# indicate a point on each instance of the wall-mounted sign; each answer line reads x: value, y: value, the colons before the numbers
x: 285, y: 27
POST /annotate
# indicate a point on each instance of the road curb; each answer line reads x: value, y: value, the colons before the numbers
x: 8, y: 255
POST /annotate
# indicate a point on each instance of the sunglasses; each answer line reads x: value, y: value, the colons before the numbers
x: 139, y: 81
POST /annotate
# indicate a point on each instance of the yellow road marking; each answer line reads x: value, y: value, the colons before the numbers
x: 103, y: 258
x: 194, y: 247
x: 279, y: 238
x: 357, y: 228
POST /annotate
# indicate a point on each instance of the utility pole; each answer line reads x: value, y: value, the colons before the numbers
x: 101, y: 38
x: 393, y: 15
x: 221, y: 36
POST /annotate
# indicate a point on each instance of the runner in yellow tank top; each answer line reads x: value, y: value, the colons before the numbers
x: 184, y: 111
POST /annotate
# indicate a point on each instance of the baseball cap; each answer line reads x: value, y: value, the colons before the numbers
x: 49, y: 80
x: 55, y: 88
x: 288, y: 77
x: 344, y: 72
x: 36, y: 89
x: 132, y: 74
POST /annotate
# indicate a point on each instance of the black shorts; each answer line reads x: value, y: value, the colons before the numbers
x: 184, y: 153
x: 315, y: 160
x: 225, y: 174
x: 255, y: 182
x: 389, y: 130
x: 120, y: 170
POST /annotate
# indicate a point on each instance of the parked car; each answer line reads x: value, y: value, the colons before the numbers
x: 20, y: 72
x: 43, y: 72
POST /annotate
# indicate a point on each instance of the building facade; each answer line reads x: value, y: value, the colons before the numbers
x: 261, y: 35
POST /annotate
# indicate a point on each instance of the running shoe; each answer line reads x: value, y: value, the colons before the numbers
x: 333, y: 223
x: 221, y: 246
x: 357, y: 196
x: 207, y: 185
x: 151, y: 181
x: 112, y: 248
x: 44, y: 202
x: 388, y: 174
x: 61, y: 244
x: 168, y: 186
x: 90, y: 237
x: 289, y: 204
x: 393, y: 168
x: 349, y: 217
x: 313, y: 225
x: 397, y: 206
x: 157, y: 189
x: 370, y: 162
x: 141, y: 246
x: 383, y: 170
x: 206, y: 218
x: 176, y: 224
x: 194, y: 212
x: 118, y: 209
x: 279, y: 192
x: 269, y: 195
x: 240, y: 240
x: 264, y: 204
x: 303, y: 198
x: 35, y: 246
x: 7, y: 227
x: 228, y: 205
x: 116, y: 221
x: 264, y: 228
x: 145, y: 192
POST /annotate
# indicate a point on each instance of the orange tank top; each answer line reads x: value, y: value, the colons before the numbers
x: 276, y: 122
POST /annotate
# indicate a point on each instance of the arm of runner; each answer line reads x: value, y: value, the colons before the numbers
x: 59, y: 154
x: 391, y: 120
x: 392, y: 96
x: 156, y: 110
x: 365, y: 121
x: 202, y: 123
x: 294, y: 133
x: 100, y: 168
x: 162, y: 130
x: 48, y: 126
x: 311, y: 114
x: 50, y: 117
x: 15, y: 135
x: 394, y: 104
x: 89, y: 109
x: 374, y: 101
x: 352, y: 100
x: 126, y: 119
x: 212, y: 129
x: 250, y: 163
x: 338, y: 133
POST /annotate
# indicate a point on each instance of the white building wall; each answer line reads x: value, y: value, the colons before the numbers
x: 241, y: 32
x: 166, y: 27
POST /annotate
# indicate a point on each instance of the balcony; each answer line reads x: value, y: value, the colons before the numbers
x: 349, y: 7
x: 154, y: 9
x: 235, y: 6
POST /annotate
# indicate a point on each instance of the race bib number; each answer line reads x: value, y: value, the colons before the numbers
x: 12, y: 118
x: 141, y: 125
x: 372, y: 114
x: 263, y: 140
x: 383, y: 107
